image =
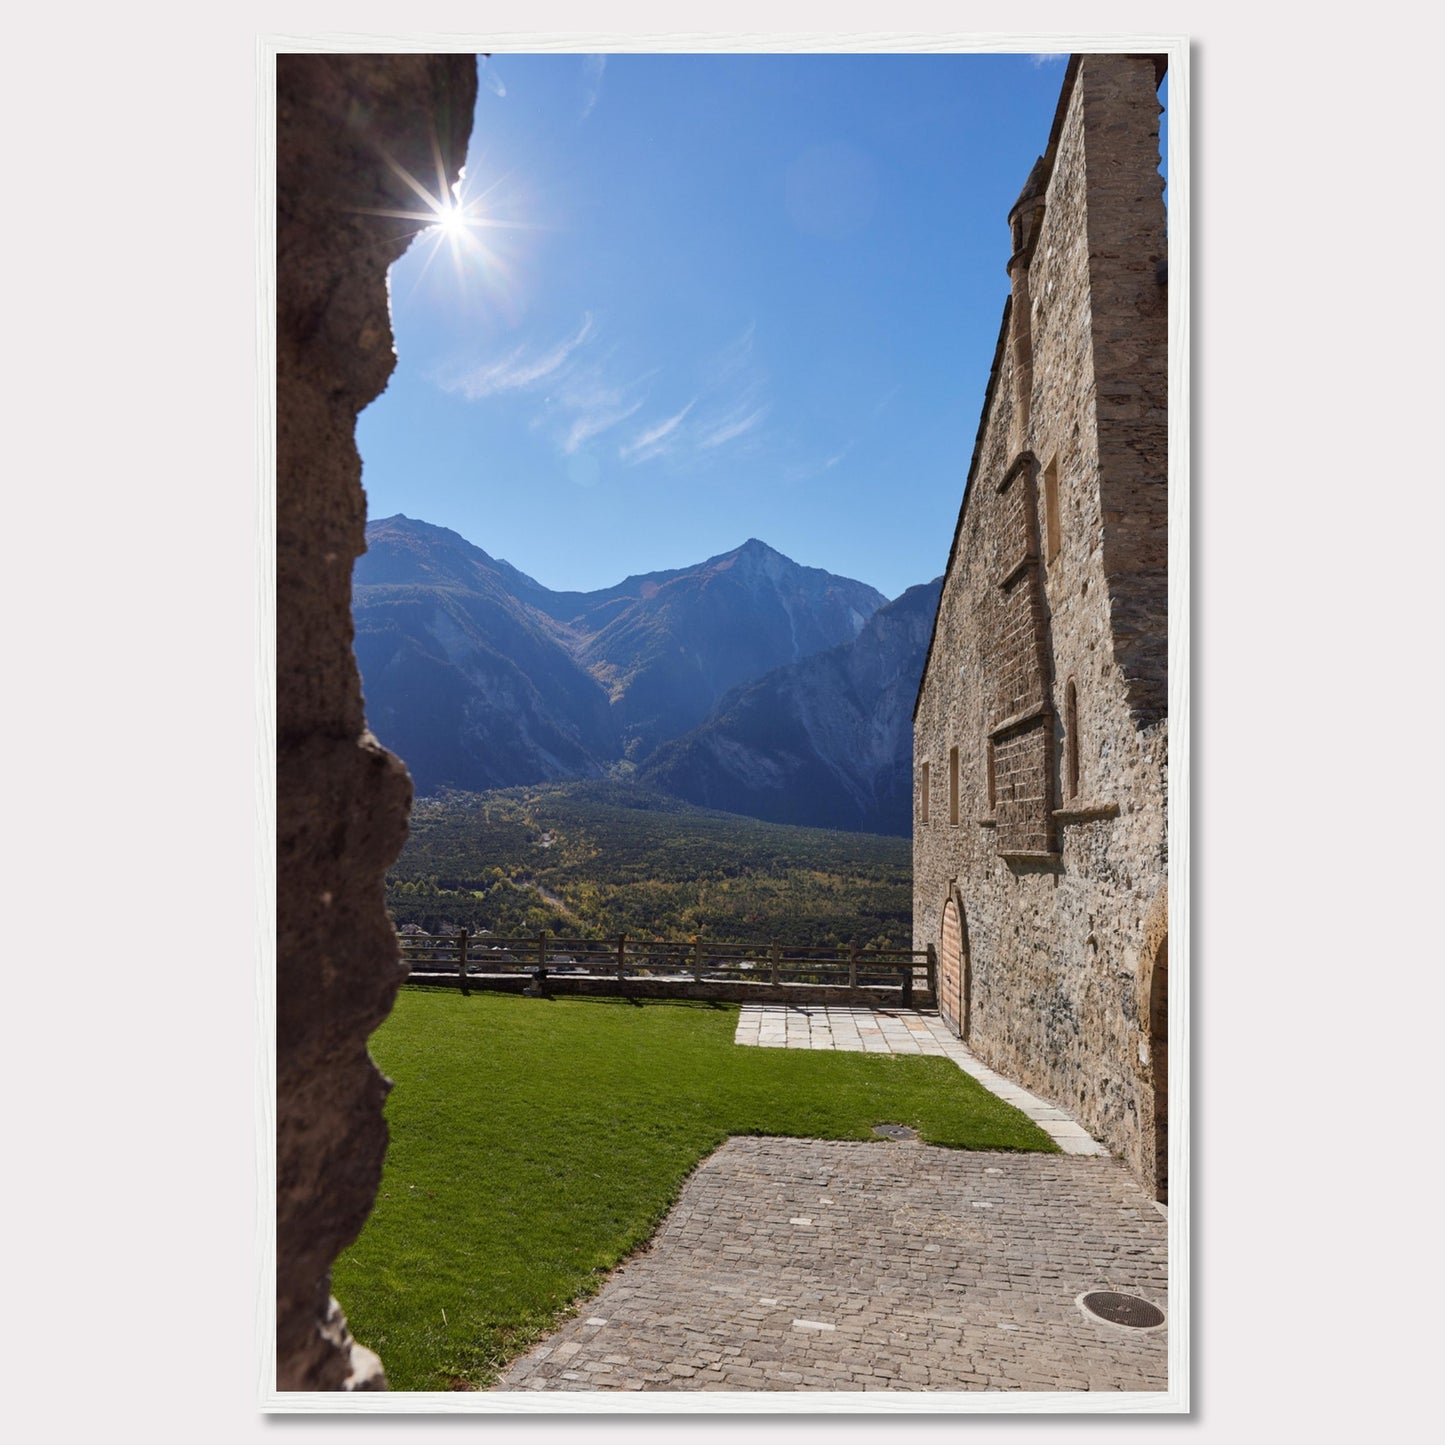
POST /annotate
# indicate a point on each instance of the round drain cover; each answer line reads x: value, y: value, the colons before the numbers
x: 1123, y: 1309
x: 895, y: 1131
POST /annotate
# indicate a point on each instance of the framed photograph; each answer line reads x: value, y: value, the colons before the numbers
x: 730, y: 510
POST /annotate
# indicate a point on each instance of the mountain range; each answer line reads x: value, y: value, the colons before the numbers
x: 747, y: 681
x: 826, y: 742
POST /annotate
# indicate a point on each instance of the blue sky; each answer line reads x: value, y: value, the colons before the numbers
x: 711, y: 297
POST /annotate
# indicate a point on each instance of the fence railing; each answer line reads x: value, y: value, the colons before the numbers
x: 483, y: 958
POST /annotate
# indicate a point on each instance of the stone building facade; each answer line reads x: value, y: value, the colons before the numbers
x: 1041, y: 727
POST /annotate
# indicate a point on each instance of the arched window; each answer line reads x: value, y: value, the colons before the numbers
x: 923, y: 794
x: 953, y: 786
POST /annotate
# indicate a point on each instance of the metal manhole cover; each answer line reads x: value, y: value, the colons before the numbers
x: 1123, y: 1309
x: 895, y: 1131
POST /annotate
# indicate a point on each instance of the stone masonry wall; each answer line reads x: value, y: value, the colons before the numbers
x: 342, y: 800
x: 1061, y: 894
x: 1130, y: 334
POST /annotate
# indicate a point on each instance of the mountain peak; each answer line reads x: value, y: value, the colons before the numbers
x: 481, y: 677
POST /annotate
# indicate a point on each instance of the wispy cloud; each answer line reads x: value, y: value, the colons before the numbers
x: 592, y: 68
x: 731, y: 429
x: 576, y: 385
x: 732, y: 401
x: 491, y: 79
x: 593, y: 400
x: 654, y: 441
x: 594, y: 422
x: 1047, y: 57
x: 583, y: 391
x: 517, y: 370
x: 809, y: 469
x: 733, y: 360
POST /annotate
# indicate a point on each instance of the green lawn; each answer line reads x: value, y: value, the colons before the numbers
x: 536, y: 1143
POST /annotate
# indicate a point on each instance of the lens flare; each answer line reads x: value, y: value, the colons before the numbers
x: 467, y: 228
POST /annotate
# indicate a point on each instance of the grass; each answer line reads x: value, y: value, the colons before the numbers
x: 536, y: 1143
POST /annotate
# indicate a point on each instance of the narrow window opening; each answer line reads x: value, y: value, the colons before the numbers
x: 953, y: 786
x: 1051, y: 510
x: 1071, y: 739
x: 992, y: 785
x: 923, y: 794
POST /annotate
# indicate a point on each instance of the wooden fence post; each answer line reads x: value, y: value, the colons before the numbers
x: 933, y: 973
x: 542, y: 962
x: 621, y: 956
x: 908, y: 984
x: 777, y: 959
x: 697, y: 961
x: 462, y: 964
x: 853, y: 965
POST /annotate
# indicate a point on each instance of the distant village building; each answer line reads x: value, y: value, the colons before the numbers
x: 1041, y: 727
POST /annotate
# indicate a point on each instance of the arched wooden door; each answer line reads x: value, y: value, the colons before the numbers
x: 953, y: 984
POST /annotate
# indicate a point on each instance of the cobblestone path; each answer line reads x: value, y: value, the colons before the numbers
x: 794, y: 1264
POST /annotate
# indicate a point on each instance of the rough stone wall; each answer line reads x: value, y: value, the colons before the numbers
x: 342, y: 800
x: 1130, y: 334
x: 1020, y: 732
x: 1061, y: 894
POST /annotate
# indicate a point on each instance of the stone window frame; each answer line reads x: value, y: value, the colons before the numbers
x: 924, y: 782
x: 1074, y: 805
x: 954, y: 788
x: 1073, y: 756
x: 1053, y: 527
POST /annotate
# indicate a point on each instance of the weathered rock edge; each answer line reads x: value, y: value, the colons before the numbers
x: 346, y: 125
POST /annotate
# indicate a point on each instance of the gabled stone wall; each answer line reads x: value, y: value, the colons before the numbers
x: 344, y: 123
x: 1047, y: 666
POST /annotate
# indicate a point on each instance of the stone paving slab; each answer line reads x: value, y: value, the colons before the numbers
x: 793, y: 1264
x: 824, y: 1026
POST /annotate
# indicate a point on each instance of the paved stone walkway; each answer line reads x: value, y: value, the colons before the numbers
x: 883, y: 1031
x: 794, y: 1264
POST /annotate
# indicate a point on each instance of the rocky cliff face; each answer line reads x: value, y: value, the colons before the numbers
x: 473, y: 686
x: 827, y: 741
x: 481, y: 677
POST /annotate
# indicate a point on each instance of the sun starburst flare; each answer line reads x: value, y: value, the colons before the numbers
x: 452, y: 222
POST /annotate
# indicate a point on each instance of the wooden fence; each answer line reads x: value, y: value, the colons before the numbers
x: 545, y: 964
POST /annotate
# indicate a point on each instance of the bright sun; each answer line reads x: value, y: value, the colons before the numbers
x: 451, y: 220
x: 445, y: 218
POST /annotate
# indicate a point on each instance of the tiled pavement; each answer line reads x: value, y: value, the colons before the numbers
x: 883, y: 1031
x: 794, y: 1264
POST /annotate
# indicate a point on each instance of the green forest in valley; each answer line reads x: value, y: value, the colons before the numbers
x: 601, y: 858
